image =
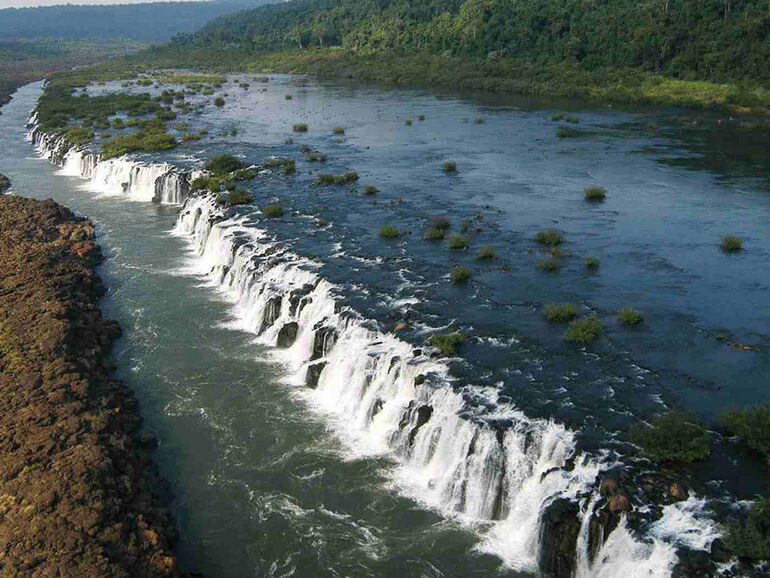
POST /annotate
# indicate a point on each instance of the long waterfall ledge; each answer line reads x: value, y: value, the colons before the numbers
x: 78, y: 492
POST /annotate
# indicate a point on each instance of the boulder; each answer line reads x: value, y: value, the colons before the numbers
x: 558, y: 539
x: 314, y: 373
x: 288, y: 334
x: 5, y: 183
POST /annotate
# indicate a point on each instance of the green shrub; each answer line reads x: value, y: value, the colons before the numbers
x: 442, y: 223
x: 550, y: 237
x: 751, y: 425
x: 143, y: 140
x: 480, y: 120
x: 584, y: 330
x: 339, y: 130
x: 487, y: 252
x: 446, y: 343
x: 223, y: 164
x: 731, y: 243
x: 199, y: 184
x: 595, y: 193
x: 117, y: 123
x: 79, y: 135
x: 244, y: 175
x: 409, y: 122
x: 321, y: 222
x: 219, y: 101
x: 181, y: 126
x: 567, y: 132
x: 314, y: 157
x: 460, y: 274
x: 557, y: 117
x: 751, y: 540
x: 287, y: 165
x: 389, y: 232
x: 630, y: 316
x: 272, y: 211
x: 371, y: 190
x: 549, y: 264
x: 189, y: 137
x: 672, y: 437
x: 450, y: 166
x: 238, y: 197
x: 572, y: 119
x: 560, y: 312
x: 300, y: 127
x: 421, y: 118
x: 458, y: 242
x: 435, y: 234
x: 592, y: 263
x: 324, y: 179
x: 288, y: 96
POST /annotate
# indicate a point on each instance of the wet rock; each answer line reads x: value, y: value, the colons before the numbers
x: 558, y: 540
x: 400, y: 326
x: 420, y: 379
x: 720, y: 553
x: 272, y: 312
x: 608, y: 487
x: 5, y: 183
x: 620, y: 503
x: 324, y: 340
x: 678, y: 492
x: 288, y: 334
x: 314, y: 374
x: 423, y: 415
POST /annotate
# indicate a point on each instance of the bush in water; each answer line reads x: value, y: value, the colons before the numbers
x: 672, y: 437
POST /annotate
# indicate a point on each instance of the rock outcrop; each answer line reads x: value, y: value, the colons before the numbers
x: 78, y: 493
x: 5, y: 183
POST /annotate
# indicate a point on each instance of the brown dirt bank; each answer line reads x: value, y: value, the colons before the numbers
x: 77, y: 488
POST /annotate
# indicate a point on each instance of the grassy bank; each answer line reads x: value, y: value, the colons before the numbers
x: 506, y: 75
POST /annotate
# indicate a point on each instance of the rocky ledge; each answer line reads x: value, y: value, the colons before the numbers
x: 5, y: 183
x: 78, y: 493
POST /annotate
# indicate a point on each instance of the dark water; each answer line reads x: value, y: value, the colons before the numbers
x: 262, y: 487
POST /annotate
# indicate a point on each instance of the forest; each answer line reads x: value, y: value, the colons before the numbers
x: 715, y: 40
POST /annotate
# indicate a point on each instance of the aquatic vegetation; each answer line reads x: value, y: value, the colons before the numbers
x: 299, y: 127
x: 408, y: 122
x: 449, y: 166
x: 287, y: 96
x: 446, y: 343
x: 549, y: 237
x: 79, y: 135
x: 567, y: 132
x: 595, y: 193
x: 441, y: 222
x: 421, y: 118
x: 549, y: 264
x: 480, y: 120
x: 672, y: 437
x: 584, y: 331
x: 339, y: 130
x: 272, y: 211
x: 219, y: 102
x: 751, y: 425
x: 435, y: 234
x: 572, y: 119
x: 460, y: 274
x: 324, y: 179
x: 151, y: 137
x: 223, y: 164
x: 315, y: 157
x: 458, y: 242
x: 371, y: 190
x: 321, y: 222
x: 592, y: 263
x: 287, y: 165
x: 388, y: 232
x: 751, y: 539
x: 731, y: 244
x: 189, y: 137
x: 199, y: 184
x: 244, y: 174
x: 182, y: 126
x: 560, y: 312
x: 239, y: 197
x: 630, y: 316
x: 558, y: 117
x: 486, y: 252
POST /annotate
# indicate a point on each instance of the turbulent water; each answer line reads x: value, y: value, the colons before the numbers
x: 351, y: 436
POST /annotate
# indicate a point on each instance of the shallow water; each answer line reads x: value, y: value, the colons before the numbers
x: 261, y: 483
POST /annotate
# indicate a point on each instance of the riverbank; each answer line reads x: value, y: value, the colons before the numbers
x: 502, y: 75
x: 78, y: 495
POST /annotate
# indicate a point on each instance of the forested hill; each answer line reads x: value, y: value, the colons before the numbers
x: 721, y: 40
x: 148, y: 22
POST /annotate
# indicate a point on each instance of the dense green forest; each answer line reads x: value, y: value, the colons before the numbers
x: 717, y: 40
x: 147, y: 22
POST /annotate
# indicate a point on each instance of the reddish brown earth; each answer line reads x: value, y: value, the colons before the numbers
x: 78, y: 493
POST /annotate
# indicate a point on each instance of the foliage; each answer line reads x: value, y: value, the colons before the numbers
x: 79, y: 135
x: 560, y: 312
x: 584, y: 331
x: 751, y: 425
x: 751, y: 540
x: 731, y: 244
x: 371, y: 190
x: 219, y: 101
x: 435, y: 234
x: 460, y: 274
x: 199, y: 184
x: 672, y: 437
x: 239, y: 197
x: 549, y: 237
x: 595, y: 193
x: 314, y: 156
x: 592, y: 263
x: 408, y: 122
x: 458, y: 242
x: 221, y: 165
x: 446, y: 343
x: 549, y: 264
x: 486, y: 252
x: 339, y: 130
x: 442, y: 223
x: 389, y: 232
x: 300, y: 127
x: 630, y: 316
x: 152, y: 136
x: 287, y: 165
x: 273, y: 211
x: 449, y: 166
x: 324, y: 179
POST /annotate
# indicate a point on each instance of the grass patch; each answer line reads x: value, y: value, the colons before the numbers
x: 460, y: 274
x: 595, y: 193
x: 421, y: 118
x: 339, y: 130
x: 79, y: 135
x: 371, y: 190
x: 219, y: 102
x: 315, y: 157
x: 389, y: 232
x: 239, y: 197
x: 299, y: 127
x: 325, y: 179
x: 221, y: 165
x: 408, y: 122
x: 449, y: 167
x: 446, y: 343
x: 458, y: 242
x: 550, y: 264
x: 485, y: 253
x: 751, y: 425
x: 287, y: 96
x: 152, y: 136
x: 549, y: 237
x: 630, y: 316
x: 672, y: 437
x: 442, y: 223
x: 560, y: 312
x: 584, y: 331
x: 568, y: 132
x: 435, y: 234
x: 272, y: 211
x: 592, y: 263
x: 731, y: 244
x: 287, y: 165
x: 480, y: 120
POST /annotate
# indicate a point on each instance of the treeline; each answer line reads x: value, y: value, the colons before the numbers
x: 719, y: 40
x: 147, y: 22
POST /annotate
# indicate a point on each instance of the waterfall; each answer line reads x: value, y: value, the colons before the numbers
x: 151, y: 182
x: 460, y: 451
